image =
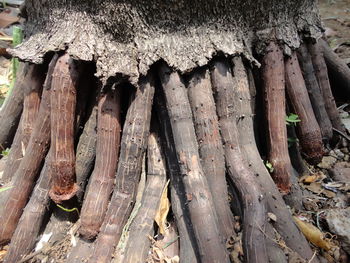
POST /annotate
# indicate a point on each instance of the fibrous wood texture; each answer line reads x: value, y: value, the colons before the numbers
x: 200, y: 202
x: 139, y: 243
x: 27, y: 171
x: 315, y: 94
x: 102, y: 179
x: 32, y: 86
x: 133, y: 145
x: 308, y: 129
x: 210, y: 145
x: 63, y: 101
x: 273, y: 75
x: 248, y: 190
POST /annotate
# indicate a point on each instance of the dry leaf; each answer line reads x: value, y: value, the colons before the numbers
x: 163, y: 210
x: 309, y: 178
x: 313, y: 234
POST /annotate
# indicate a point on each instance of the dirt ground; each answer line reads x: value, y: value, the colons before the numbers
x: 336, y: 18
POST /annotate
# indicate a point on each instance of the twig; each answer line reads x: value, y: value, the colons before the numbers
x: 342, y: 134
x: 312, y: 258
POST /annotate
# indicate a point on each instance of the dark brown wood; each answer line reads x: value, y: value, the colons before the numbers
x: 315, y: 93
x: 27, y: 230
x: 32, y: 92
x: 308, y: 130
x: 249, y: 192
x: 86, y: 150
x: 133, y: 145
x: 336, y: 66
x: 141, y: 229
x: 321, y: 73
x: 63, y: 101
x: 179, y: 204
x: 210, y: 146
x: 199, y: 198
x: 284, y: 224
x: 24, y: 179
x: 273, y: 76
x: 102, y: 179
x: 10, y: 111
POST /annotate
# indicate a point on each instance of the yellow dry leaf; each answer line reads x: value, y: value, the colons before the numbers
x: 163, y: 210
x: 310, y: 179
x: 313, y: 234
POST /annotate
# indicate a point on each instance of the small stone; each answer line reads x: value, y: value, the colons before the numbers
x: 327, y: 162
x: 341, y: 171
x: 339, y: 153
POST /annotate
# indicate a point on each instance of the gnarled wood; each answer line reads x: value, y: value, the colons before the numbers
x: 315, y: 94
x: 210, y: 146
x: 133, y: 144
x: 309, y: 132
x: 253, y: 206
x: 63, y: 101
x: 141, y: 229
x: 323, y: 81
x: 199, y: 198
x: 26, y: 173
x: 275, y: 111
x: 102, y: 179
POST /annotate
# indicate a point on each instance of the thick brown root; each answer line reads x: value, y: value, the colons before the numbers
x: 275, y: 111
x: 32, y: 93
x: 309, y: 133
x: 177, y: 190
x: 336, y: 66
x: 210, y: 146
x: 102, y: 179
x: 323, y: 81
x: 24, y: 178
x: 315, y: 93
x: 250, y: 195
x: 141, y: 229
x: 63, y: 102
x: 133, y: 145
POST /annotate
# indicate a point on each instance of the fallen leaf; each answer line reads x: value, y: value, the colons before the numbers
x: 313, y: 234
x: 163, y: 210
x: 309, y: 178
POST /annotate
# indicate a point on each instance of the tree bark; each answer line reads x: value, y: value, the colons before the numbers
x: 63, y: 101
x: 102, y: 179
x: 133, y: 144
x: 309, y: 132
x: 199, y: 198
x: 275, y: 112
x: 210, y: 146
x: 315, y: 93
x: 24, y: 178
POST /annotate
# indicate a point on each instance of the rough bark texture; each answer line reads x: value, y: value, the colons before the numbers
x: 27, y: 171
x: 86, y: 150
x: 323, y: 81
x: 315, y: 94
x: 102, y: 179
x: 336, y: 66
x: 200, y: 201
x: 142, y: 228
x: 25, y: 236
x: 32, y: 92
x: 179, y: 202
x: 63, y: 101
x: 275, y: 112
x: 10, y: 112
x: 210, y: 146
x: 308, y: 130
x: 249, y: 192
x: 138, y: 33
x: 133, y: 145
x: 284, y: 225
